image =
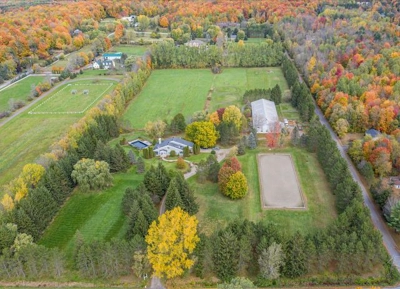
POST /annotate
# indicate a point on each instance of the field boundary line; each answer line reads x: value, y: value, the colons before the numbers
x: 109, y: 85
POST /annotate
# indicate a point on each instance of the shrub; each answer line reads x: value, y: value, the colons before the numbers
x: 236, y: 187
x: 172, y: 154
x: 180, y: 163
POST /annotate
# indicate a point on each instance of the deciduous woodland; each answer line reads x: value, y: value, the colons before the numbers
x: 185, y: 205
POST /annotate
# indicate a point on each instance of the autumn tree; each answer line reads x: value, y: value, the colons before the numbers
x: 92, y: 175
x: 233, y: 115
x: 171, y: 241
x: 164, y: 22
x: 155, y: 129
x: 236, y: 186
x: 202, y: 133
x: 143, y: 21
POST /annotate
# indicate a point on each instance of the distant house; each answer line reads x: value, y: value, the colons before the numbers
x: 195, y: 43
x: 373, y: 133
x: 103, y: 64
x: 265, y: 116
x: 164, y: 148
x: 112, y: 56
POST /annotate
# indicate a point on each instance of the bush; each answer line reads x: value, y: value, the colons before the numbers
x: 180, y: 164
x: 172, y: 154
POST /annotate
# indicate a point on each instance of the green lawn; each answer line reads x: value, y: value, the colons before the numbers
x: 62, y: 100
x: 18, y: 91
x: 27, y: 136
x: 97, y: 215
x: 136, y: 50
x: 169, y: 92
x: 217, y: 210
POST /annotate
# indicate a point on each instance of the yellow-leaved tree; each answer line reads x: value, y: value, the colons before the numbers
x: 170, y: 242
x: 232, y: 114
x: 202, y: 133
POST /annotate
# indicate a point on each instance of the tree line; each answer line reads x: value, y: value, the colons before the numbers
x: 167, y: 55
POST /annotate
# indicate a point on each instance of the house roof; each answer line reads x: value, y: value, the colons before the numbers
x: 265, y: 108
x: 113, y: 54
x: 176, y: 142
x: 373, y: 132
x: 104, y: 62
x: 195, y: 42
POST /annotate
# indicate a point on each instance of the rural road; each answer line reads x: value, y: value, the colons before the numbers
x: 376, y: 216
x: 30, y: 104
x: 375, y: 213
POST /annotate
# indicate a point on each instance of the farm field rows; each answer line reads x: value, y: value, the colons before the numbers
x: 171, y: 91
x: 27, y: 136
x: 18, y: 91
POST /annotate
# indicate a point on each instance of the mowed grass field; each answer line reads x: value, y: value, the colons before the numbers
x: 97, y: 215
x: 27, y: 136
x: 217, y: 210
x: 18, y: 91
x: 135, y: 50
x: 64, y: 101
x: 169, y: 92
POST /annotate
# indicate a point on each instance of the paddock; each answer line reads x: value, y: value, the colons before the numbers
x: 279, y: 184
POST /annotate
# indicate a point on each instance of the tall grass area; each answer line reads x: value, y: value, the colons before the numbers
x: 96, y: 215
x: 18, y: 91
x: 217, y: 210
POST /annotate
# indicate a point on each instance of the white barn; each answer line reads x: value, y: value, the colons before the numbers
x: 264, y: 115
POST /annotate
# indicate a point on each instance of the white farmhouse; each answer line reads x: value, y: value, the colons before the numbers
x: 164, y: 148
x: 265, y: 116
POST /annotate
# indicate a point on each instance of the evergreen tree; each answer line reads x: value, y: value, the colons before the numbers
x: 163, y: 178
x: 213, y: 168
x: 226, y: 255
x: 141, y: 226
x: 196, y: 149
x: 152, y: 183
x: 295, y: 258
x: 146, y: 153
x: 186, y: 152
x: 242, y: 148
x: 251, y: 141
x: 132, y: 157
x: 276, y: 94
x: 140, y: 167
x: 187, y: 196
x: 173, y: 198
x: 178, y: 123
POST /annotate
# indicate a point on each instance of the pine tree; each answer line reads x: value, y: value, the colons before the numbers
x: 226, y: 255
x: 186, y: 152
x: 140, y: 167
x: 213, y: 168
x: 132, y: 157
x: 187, y: 196
x: 295, y: 258
x: 276, y: 94
x: 146, y: 153
x: 173, y: 198
x: 141, y: 226
x: 163, y: 178
x: 152, y: 183
x: 251, y: 141
x: 242, y: 148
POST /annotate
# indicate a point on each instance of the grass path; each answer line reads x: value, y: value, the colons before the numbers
x: 97, y: 215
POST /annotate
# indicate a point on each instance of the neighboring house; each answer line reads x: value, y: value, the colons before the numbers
x: 373, y: 133
x: 265, y: 116
x: 164, y: 148
x: 112, y: 56
x: 396, y: 184
x: 195, y: 43
x: 103, y: 64
x: 139, y: 144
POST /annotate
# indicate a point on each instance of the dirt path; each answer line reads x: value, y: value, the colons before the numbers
x: 23, y: 109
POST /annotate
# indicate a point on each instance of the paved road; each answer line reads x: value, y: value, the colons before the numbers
x: 375, y: 213
x: 30, y: 104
